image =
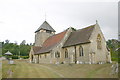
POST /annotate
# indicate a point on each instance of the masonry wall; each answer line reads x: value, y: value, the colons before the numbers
x: 31, y: 56
x: 40, y: 37
x: 71, y: 52
x: 44, y: 58
x: 99, y: 54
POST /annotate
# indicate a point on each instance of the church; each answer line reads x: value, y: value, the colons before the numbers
x: 82, y: 46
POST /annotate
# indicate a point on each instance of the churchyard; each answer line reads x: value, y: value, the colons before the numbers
x: 24, y: 69
x: 0, y: 68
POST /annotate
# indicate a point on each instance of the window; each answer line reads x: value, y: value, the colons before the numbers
x: 99, y: 42
x: 57, y: 54
x: 81, y: 51
x: 48, y: 31
x: 66, y: 53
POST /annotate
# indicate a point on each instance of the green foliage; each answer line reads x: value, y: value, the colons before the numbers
x: 15, y: 57
x: 25, y: 57
x: 114, y: 46
x: 17, y: 50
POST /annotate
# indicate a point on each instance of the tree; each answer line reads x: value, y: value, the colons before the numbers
x: 113, y: 45
x: 14, y: 48
x: 7, y: 41
x: 23, y: 42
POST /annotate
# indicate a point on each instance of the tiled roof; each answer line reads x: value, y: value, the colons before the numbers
x: 36, y: 49
x: 51, y: 42
x: 80, y: 36
x: 45, y: 26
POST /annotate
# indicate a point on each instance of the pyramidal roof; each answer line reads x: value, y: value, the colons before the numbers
x: 45, y: 26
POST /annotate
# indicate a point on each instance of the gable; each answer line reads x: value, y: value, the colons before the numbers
x: 80, y: 36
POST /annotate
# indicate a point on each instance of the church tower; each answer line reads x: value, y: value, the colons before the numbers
x: 42, y: 33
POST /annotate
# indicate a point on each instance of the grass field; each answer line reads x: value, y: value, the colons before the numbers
x: 0, y: 68
x: 23, y: 69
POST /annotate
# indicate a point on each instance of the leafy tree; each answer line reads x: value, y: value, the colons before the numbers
x: 23, y: 42
x: 14, y: 48
x: 114, y: 46
x: 7, y: 41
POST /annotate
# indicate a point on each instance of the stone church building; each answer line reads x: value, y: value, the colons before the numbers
x: 83, y: 46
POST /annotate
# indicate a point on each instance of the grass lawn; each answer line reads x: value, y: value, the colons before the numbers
x: 23, y: 69
x: 0, y: 69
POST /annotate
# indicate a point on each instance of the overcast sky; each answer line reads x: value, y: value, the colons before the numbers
x: 20, y: 18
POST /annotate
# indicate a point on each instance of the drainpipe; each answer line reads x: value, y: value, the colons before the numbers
x: 75, y: 56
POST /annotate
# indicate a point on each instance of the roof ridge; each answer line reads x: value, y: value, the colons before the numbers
x: 58, y: 33
x: 86, y: 27
x: 80, y: 36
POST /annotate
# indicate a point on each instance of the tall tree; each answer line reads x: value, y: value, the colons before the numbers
x: 23, y: 42
x: 7, y: 41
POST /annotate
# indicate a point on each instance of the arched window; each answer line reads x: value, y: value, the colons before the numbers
x: 81, y: 51
x: 99, y: 42
x: 66, y: 53
x: 57, y: 54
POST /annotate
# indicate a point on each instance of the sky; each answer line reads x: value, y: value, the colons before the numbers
x: 19, y: 19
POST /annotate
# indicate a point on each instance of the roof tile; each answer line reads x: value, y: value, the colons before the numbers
x: 52, y: 42
x: 80, y: 36
x: 45, y: 26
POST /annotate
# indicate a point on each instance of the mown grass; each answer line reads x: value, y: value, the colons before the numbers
x: 0, y: 69
x: 23, y: 69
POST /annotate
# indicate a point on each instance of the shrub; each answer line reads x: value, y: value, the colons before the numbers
x: 14, y: 57
x: 115, y: 59
x: 25, y: 57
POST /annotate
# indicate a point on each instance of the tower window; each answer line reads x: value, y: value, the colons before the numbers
x: 81, y: 51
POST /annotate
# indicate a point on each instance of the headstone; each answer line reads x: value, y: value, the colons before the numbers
x: 81, y: 62
x: 11, y: 62
x: 77, y: 62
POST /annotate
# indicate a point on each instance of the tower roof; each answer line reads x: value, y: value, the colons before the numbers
x: 45, y: 26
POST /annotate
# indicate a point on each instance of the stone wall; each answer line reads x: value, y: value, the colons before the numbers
x: 99, y: 54
x: 40, y: 37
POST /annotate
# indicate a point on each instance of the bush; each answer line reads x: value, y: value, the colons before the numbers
x: 115, y: 59
x: 14, y: 57
x: 25, y: 57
